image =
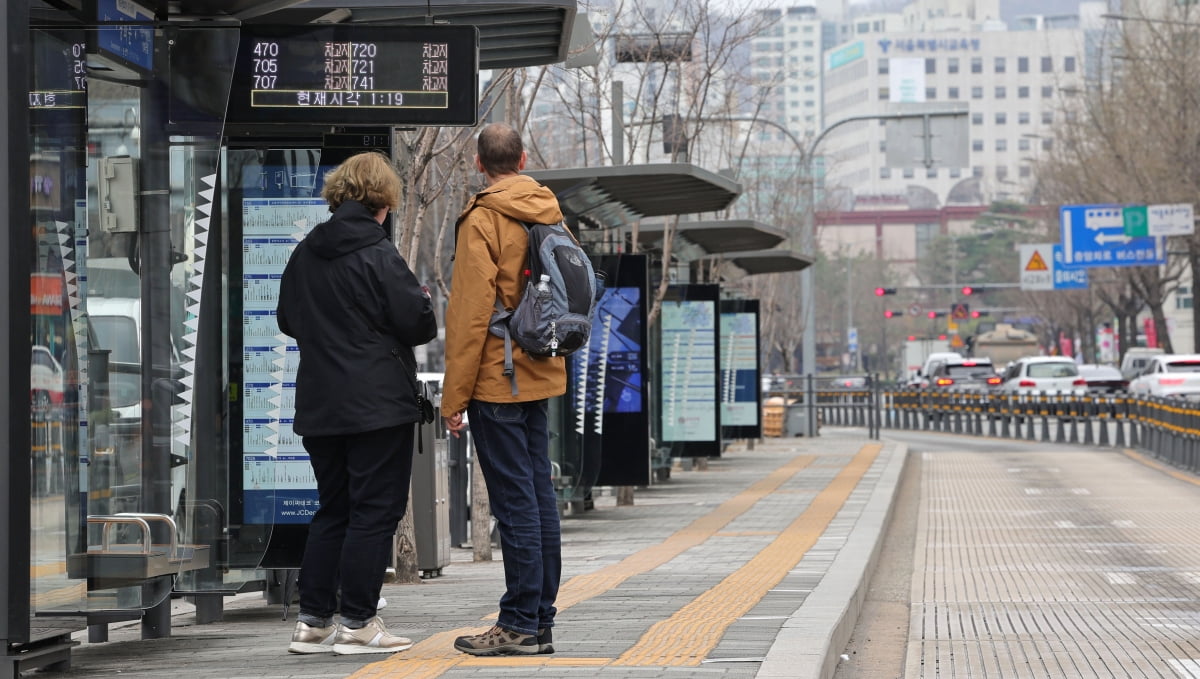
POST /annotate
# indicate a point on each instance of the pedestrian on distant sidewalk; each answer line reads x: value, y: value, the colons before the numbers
x: 356, y: 311
x: 509, y: 424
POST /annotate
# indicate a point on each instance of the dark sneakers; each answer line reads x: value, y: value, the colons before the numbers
x: 545, y: 640
x: 499, y: 641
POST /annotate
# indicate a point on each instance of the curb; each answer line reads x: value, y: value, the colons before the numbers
x: 810, y: 642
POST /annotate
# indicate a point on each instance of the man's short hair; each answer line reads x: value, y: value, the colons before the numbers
x: 500, y: 149
x: 368, y: 178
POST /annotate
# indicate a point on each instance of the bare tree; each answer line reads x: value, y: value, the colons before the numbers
x: 1132, y: 137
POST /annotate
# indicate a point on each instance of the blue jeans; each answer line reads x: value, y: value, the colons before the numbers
x: 512, y: 442
x: 362, y: 482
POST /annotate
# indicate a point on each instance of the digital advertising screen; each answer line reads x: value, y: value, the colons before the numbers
x: 615, y: 415
x: 741, y: 397
x: 689, y: 386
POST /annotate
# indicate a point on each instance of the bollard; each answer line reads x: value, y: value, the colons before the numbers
x: 1005, y: 416
x: 1074, y: 412
x: 1119, y: 419
x: 1030, y: 432
x: 1135, y: 421
x: 1060, y: 434
x: 1088, y: 412
x: 1104, y: 411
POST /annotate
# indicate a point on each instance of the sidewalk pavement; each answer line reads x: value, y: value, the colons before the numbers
x: 754, y: 567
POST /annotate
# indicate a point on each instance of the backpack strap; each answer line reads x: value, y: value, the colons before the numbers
x: 500, y: 320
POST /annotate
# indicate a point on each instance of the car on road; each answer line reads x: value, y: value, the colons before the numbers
x: 1103, y: 379
x: 1169, y: 375
x: 974, y: 375
x: 1036, y: 374
x: 920, y: 379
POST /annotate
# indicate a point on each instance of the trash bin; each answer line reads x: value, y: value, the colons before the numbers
x: 430, y: 501
x: 796, y: 420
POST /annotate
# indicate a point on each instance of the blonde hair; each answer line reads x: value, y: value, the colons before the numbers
x: 368, y: 178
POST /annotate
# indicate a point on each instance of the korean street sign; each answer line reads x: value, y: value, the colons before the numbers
x: 1094, y: 236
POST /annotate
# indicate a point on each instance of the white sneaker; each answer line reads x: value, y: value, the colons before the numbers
x: 371, y: 638
x: 381, y: 605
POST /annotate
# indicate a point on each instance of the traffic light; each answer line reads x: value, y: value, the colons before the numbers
x: 936, y: 314
x: 893, y: 313
x: 880, y: 292
x: 978, y: 313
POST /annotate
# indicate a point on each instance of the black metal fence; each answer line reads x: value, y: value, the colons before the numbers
x: 1165, y: 428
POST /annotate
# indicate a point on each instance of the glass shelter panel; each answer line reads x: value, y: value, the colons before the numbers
x: 129, y: 460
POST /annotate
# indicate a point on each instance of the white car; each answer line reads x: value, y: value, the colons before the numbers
x: 1036, y: 374
x: 1169, y: 375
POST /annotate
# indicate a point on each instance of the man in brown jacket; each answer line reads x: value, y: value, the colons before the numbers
x: 510, y: 431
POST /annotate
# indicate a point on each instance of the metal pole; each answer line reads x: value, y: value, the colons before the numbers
x: 618, y: 123
x: 808, y: 344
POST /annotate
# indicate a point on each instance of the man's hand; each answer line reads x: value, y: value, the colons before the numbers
x: 455, y: 424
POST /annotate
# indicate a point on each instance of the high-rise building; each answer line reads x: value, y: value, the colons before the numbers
x: 786, y: 68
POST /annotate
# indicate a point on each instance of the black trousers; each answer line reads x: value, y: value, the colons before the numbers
x: 362, y: 482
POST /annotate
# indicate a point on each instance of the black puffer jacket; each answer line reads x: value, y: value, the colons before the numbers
x: 356, y: 311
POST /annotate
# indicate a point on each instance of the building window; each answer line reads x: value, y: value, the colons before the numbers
x: 908, y: 173
x: 930, y: 65
x: 1001, y: 92
x: 885, y: 173
x: 884, y: 94
x: 1047, y: 91
x: 977, y: 93
x: 1025, y: 171
x: 883, y: 146
x: 1023, y: 118
x: 1047, y: 117
x: 930, y: 93
x: 883, y: 67
x: 1001, y: 118
x: 1022, y: 64
x: 1023, y: 144
x: 1069, y: 64
x: 955, y: 172
x: 1047, y: 64
x: 952, y: 93
x: 1183, y: 297
x: 977, y: 145
x: 1023, y: 92
x: 931, y: 173
x: 977, y: 64
x: 952, y: 65
x: 1001, y: 144
x: 1001, y: 172
x: 977, y: 172
x: 976, y: 118
x: 1047, y: 144
x: 1000, y: 64
x: 863, y: 27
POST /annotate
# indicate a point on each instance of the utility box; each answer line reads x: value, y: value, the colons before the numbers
x: 430, y: 502
x: 117, y: 186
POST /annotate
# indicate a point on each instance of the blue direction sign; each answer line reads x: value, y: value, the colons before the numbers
x: 1094, y: 235
x: 1067, y: 279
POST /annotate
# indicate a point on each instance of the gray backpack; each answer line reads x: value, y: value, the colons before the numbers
x: 554, y: 316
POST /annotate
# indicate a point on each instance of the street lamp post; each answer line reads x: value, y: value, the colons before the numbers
x: 808, y: 343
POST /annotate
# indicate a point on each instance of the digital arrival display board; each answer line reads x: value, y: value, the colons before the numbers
x: 356, y: 75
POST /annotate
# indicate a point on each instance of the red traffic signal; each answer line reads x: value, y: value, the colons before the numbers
x: 892, y: 313
x: 977, y: 313
x: 968, y: 290
x: 880, y: 292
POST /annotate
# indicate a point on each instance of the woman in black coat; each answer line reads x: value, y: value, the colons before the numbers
x: 356, y: 310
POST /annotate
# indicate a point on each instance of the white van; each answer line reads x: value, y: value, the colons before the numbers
x: 1136, y: 359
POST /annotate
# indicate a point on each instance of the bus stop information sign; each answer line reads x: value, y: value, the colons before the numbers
x: 356, y: 75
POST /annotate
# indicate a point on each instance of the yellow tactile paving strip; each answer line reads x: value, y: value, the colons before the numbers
x: 686, y: 637
x: 434, y: 655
